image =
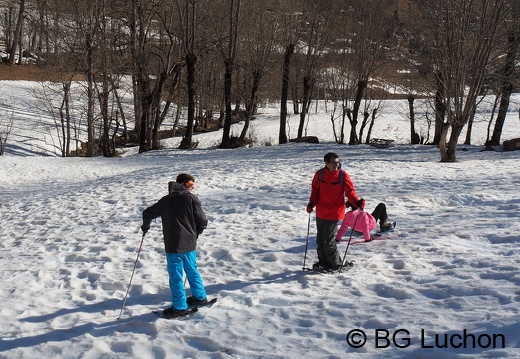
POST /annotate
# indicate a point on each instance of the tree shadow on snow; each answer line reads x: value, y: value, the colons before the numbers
x: 100, y: 325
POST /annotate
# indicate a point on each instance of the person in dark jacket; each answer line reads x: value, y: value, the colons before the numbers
x: 330, y: 186
x: 182, y: 221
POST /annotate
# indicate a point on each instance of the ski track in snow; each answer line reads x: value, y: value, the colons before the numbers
x: 71, y: 232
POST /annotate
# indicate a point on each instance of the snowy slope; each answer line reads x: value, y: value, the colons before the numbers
x: 446, y: 283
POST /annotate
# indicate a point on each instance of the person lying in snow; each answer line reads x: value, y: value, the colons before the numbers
x: 364, y: 222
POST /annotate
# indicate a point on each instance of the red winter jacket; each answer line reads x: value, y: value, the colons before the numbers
x: 328, y: 196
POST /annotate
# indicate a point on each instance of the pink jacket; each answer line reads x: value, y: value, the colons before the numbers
x: 364, y: 224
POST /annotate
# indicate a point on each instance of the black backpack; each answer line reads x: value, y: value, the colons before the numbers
x: 341, y: 177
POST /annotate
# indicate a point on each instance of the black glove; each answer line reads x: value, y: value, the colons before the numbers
x: 360, y: 203
x: 145, y: 228
x: 310, y: 207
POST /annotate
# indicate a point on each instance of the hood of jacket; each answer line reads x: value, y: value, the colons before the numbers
x: 177, y: 189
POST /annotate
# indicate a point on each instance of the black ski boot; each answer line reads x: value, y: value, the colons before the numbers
x: 171, y: 312
x: 195, y: 303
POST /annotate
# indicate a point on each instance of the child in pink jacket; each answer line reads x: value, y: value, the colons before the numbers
x: 364, y: 222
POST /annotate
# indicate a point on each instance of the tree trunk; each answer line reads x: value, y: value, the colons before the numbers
x: 136, y: 100
x: 65, y: 120
x: 191, y: 61
x: 90, y: 96
x: 121, y: 111
x: 361, y: 86
x: 306, y: 100
x: 227, y: 102
x: 103, y: 96
x: 145, y: 107
x: 344, y: 111
x: 470, y: 127
x: 176, y: 71
x: 257, y: 77
x: 452, y: 144
x: 107, y: 144
x: 155, y: 110
x: 372, y: 121
x: 144, y: 127
x: 296, y: 99
x: 282, y: 135
x: 440, y: 109
x: 443, y: 137
x: 507, y: 87
x: 414, y: 137
x: 366, y: 115
x: 17, y: 32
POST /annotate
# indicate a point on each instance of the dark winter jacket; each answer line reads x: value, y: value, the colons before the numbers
x: 182, y: 219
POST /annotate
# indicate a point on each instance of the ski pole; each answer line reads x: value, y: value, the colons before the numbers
x: 132, y: 276
x: 348, y: 244
x: 307, y: 241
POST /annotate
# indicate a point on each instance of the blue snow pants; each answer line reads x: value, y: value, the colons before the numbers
x: 177, y: 264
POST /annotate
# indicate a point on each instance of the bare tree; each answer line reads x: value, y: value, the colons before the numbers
x: 167, y: 37
x: 81, y: 34
x: 259, y: 41
x: 372, y: 109
x: 508, y: 72
x: 143, y: 97
x: 107, y: 80
x: 225, y: 18
x: 17, y: 35
x: 289, y: 37
x: 362, y: 27
x: 288, y: 53
x: 56, y: 98
x: 462, y: 36
x: 189, y: 14
x: 227, y: 36
x: 414, y: 136
x: 341, y: 88
x: 155, y: 52
x: 368, y: 51
x: 315, y: 36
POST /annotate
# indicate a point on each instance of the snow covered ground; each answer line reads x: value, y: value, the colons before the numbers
x: 445, y: 284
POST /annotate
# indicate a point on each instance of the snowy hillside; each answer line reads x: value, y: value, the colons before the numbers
x: 444, y: 284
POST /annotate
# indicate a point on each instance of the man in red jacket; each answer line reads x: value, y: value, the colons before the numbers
x: 330, y: 186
